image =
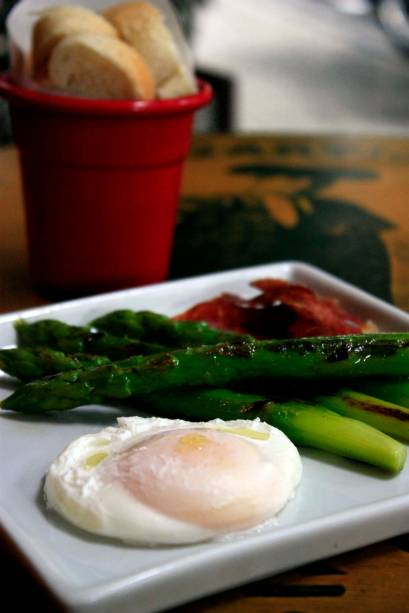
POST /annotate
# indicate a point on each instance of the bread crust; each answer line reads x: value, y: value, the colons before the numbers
x: 99, y: 66
x: 57, y: 22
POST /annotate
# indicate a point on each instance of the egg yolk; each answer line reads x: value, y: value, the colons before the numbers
x: 209, y: 478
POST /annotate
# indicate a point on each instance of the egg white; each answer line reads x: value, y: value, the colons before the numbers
x: 76, y: 485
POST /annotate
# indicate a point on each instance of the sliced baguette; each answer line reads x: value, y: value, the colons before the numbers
x: 59, y: 21
x: 181, y: 83
x: 142, y: 25
x: 99, y: 66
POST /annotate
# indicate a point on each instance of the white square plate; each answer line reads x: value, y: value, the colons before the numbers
x: 340, y: 505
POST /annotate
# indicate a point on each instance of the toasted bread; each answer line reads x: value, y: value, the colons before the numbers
x: 55, y: 23
x: 99, y: 66
x: 142, y: 25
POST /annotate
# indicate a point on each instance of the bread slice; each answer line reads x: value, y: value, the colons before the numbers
x: 56, y: 22
x: 179, y: 84
x: 142, y: 25
x: 99, y: 66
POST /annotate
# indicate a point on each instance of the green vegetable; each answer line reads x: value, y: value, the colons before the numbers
x: 54, y: 334
x: 201, y: 404
x: 220, y: 366
x: 31, y: 364
x: 49, y: 332
x: 385, y: 416
x: 67, y: 390
x: 305, y: 424
x: 394, y: 390
x: 152, y: 327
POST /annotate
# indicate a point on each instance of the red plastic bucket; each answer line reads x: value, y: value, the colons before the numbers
x: 101, y: 182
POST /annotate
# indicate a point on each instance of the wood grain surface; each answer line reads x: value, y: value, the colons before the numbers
x: 340, y: 203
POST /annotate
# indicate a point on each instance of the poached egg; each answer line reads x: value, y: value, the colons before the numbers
x: 160, y: 481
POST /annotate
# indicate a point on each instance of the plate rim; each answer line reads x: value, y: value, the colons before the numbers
x: 296, y: 265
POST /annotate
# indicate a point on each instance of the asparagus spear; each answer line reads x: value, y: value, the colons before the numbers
x: 57, y: 335
x: 394, y: 390
x: 219, y: 366
x: 305, y: 424
x: 386, y: 416
x: 152, y: 327
x: 29, y: 364
x: 48, y: 332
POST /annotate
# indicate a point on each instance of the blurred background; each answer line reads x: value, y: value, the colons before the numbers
x: 326, y: 66
x: 310, y: 65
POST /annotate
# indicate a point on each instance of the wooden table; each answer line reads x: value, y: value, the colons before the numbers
x: 339, y: 203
